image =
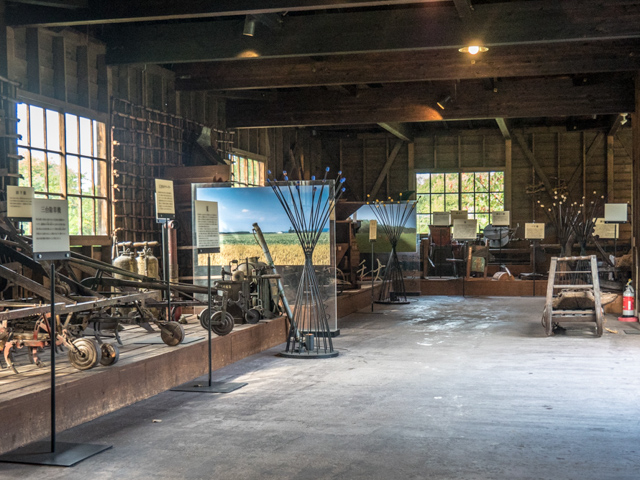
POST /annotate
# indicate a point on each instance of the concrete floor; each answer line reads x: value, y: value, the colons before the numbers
x: 443, y: 388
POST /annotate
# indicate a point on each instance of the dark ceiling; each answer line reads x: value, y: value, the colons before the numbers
x: 354, y: 64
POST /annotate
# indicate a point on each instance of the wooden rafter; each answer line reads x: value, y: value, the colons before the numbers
x: 385, y: 169
x: 534, y: 162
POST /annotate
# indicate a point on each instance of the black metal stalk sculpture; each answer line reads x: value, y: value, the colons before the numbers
x: 309, y: 210
x: 392, y: 217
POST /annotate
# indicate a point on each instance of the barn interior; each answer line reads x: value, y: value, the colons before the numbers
x: 516, y: 119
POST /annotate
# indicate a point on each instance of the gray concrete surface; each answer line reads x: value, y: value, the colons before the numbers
x: 443, y: 388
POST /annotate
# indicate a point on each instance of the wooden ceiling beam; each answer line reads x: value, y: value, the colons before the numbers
x: 126, y: 11
x: 436, y: 27
x: 504, y: 128
x: 64, y: 4
x: 389, y: 67
x: 403, y: 131
x: 416, y: 102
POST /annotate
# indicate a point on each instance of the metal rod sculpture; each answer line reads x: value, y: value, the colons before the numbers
x: 309, y: 210
x: 392, y: 217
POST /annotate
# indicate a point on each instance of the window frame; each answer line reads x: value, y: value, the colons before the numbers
x: 63, y: 109
x: 459, y: 193
x: 247, y: 168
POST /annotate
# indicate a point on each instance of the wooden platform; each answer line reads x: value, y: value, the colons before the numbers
x: 142, y: 371
x: 483, y: 287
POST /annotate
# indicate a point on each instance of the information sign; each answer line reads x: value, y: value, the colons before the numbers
x: 465, y: 229
x: 207, y: 227
x: 165, y: 206
x: 501, y: 219
x: 50, y: 229
x: 19, y: 202
x: 534, y: 231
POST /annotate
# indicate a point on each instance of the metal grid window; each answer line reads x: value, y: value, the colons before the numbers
x: 65, y: 156
x: 246, y: 171
x: 480, y: 193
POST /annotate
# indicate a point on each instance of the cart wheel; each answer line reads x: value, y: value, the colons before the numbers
x: 599, y: 325
x: 204, y: 319
x: 222, y: 326
x: 252, y: 316
x: 172, y: 333
x: 84, y: 354
x: 547, y: 322
x: 110, y: 354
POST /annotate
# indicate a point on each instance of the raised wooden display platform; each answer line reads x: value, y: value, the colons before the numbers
x: 142, y: 371
x: 483, y: 287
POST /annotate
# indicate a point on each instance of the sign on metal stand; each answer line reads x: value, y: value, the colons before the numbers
x: 50, y: 242
x: 208, y: 242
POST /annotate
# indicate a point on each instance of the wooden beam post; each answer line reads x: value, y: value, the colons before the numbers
x: 411, y: 167
x: 33, y: 60
x: 610, y: 168
x: 534, y: 162
x: 385, y: 169
x: 508, y: 176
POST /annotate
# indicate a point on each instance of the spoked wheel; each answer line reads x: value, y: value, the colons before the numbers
x: 222, y: 326
x: 172, y: 333
x: 84, y: 354
x: 110, y: 354
x: 252, y: 316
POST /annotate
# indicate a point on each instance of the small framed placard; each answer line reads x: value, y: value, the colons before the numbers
x: 50, y: 229
x: 442, y: 219
x: 373, y: 230
x: 207, y: 227
x: 603, y: 230
x: 465, y: 229
x: 501, y: 219
x: 19, y: 203
x: 615, y: 212
x: 459, y: 215
x: 165, y: 206
x: 534, y: 231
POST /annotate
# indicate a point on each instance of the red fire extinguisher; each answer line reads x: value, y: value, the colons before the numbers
x: 628, y: 304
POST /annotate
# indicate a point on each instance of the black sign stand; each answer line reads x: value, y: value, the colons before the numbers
x: 52, y: 453
x: 210, y: 387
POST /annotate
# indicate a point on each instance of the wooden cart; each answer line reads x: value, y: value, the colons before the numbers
x: 573, y: 293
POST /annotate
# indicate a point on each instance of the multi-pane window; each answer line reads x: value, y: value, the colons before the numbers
x: 246, y: 171
x: 480, y: 193
x: 65, y: 156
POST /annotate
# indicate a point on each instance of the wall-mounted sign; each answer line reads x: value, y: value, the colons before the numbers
x: 501, y: 219
x: 207, y: 229
x: 465, y: 229
x: 19, y: 202
x: 441, y: 219
x: 50, y: 229
x: 165, y: 206
x: 373, y: 230
x: 615, y: 212
x: 601, y: 229
x: 534, y: 231
x: 459, y: 215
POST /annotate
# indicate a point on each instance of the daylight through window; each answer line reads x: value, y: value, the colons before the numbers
x: 65, y: 156
x: 246, y: 171
x: 480, y: 193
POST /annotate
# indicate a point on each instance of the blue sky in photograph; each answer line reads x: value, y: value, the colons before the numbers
x: 240, y: 208
x: 366, y: 213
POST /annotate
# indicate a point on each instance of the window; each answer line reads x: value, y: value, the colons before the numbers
x: 480, y: 193
x: 65, y: 156
x: 247, y: 171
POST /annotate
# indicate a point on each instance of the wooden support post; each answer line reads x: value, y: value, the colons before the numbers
x: 82, y: 53
x: 411, y: 167
x: 33, y: 60
x: 635, y: 202
x: 534, y: 162
x: 610, y: 169
x: 385, y: 169
x: 59, y: 69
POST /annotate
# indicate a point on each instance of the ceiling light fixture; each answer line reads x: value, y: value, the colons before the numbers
x: 623, y: 120
x: 473, y: 49
x: 249, y: 26
x: 443, y: 101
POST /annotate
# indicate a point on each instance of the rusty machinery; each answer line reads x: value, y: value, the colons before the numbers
x: 245, y: 295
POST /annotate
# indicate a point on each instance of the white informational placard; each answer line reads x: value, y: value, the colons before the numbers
x: 373, y: 230
x: 605, y: 230
x: 441, y: 219
x: 207, y: 227
x: 534, y: 231
x: 465, y: 229
x: 459, y: 215
x: 615, y: 212
x: 165, y: 205
x: 19, y: 202
x: 501, y: 219
x: 50, y: 229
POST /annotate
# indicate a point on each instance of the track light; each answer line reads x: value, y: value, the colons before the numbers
x: 443, y: 100
x: 624, y: 118
x: 249, y: 26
